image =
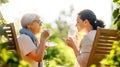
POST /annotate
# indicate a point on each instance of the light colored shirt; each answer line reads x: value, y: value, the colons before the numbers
x: 26, y: 46
x: 85, y: 48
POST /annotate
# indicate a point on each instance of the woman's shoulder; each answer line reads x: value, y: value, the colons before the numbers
x: 90, y: 35
x: 23, y: 36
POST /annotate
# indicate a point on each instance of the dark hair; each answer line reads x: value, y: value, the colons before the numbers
x: 91, y: 17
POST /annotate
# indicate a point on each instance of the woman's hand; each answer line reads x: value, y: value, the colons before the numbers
x: 70, y: 42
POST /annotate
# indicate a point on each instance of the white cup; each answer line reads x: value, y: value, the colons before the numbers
x: 50, y: 44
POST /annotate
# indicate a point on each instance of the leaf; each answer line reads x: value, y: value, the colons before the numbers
x: 117, y: 20
x: 4, y: 1
x: 116, y: 1
x: 115, y: 13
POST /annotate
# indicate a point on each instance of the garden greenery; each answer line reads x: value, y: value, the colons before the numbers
x: 113, y: 59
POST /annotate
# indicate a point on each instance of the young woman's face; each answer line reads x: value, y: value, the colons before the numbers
x: 80, y: 24
x: 35, y: 26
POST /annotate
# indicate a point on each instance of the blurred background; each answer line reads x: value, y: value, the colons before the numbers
x: 59, y: 16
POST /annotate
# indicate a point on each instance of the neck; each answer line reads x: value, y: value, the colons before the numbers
x: 86, y: 30
x: 31, y: 30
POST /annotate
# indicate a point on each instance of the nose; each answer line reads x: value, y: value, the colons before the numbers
x: 76, y: 24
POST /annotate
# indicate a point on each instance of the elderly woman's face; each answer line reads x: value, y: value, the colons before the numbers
x: 35, y: 26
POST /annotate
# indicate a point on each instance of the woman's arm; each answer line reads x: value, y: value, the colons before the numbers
x: 38, y: 54
x: 71, y: 44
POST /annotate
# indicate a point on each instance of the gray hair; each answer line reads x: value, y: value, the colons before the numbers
x: 28, y: 18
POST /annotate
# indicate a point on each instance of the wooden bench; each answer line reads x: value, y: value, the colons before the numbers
x: 12, y: 38
x: 102, y: 45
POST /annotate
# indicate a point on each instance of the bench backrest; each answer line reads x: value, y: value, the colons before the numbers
x: 12, y: 38
x: 102, y: 45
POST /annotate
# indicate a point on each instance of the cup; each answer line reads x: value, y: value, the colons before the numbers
x: 49, y: 32
x: 50, y: 44
x: 72, y: 32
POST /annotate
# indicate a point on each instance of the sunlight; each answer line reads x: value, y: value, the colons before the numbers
x: 49, y: 10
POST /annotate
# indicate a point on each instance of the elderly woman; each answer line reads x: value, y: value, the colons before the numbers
x: 31, y: 49
x: 87, y: 23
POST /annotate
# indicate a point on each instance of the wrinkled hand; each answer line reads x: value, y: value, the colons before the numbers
x: 45, y: 34
x: 70, y: 42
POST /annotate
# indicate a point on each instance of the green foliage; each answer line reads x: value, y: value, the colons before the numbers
x: 58, y: 55
x: 61, y: 54
x: 116, y: 1
x: 9, y: 58
x: 116, y: 12
x: 62, y: 27
x: 93, y: 65
x: 2, y: 20
x: 3, y: 2
x: 62, y: 24
x: 113, y: 59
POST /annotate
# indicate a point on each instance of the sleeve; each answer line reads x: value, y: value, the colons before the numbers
x: 26, y: 44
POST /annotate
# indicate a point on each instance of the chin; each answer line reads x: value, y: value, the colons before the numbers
x: 36, y: 32
x: 78, y: 29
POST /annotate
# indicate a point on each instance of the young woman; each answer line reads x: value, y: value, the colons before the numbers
x: 87, y: 23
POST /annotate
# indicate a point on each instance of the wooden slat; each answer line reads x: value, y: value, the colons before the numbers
x: 103, y: 48
x: 101, y: 52
x: 108, y: 38
x: 11, y: 48
x: 10, y: 36
x: 110, y: 32
x: 101, y: 41
x: 9, y: 32
x: 104, y: 44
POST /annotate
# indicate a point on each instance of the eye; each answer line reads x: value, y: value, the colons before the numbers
x: 38, y: 21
